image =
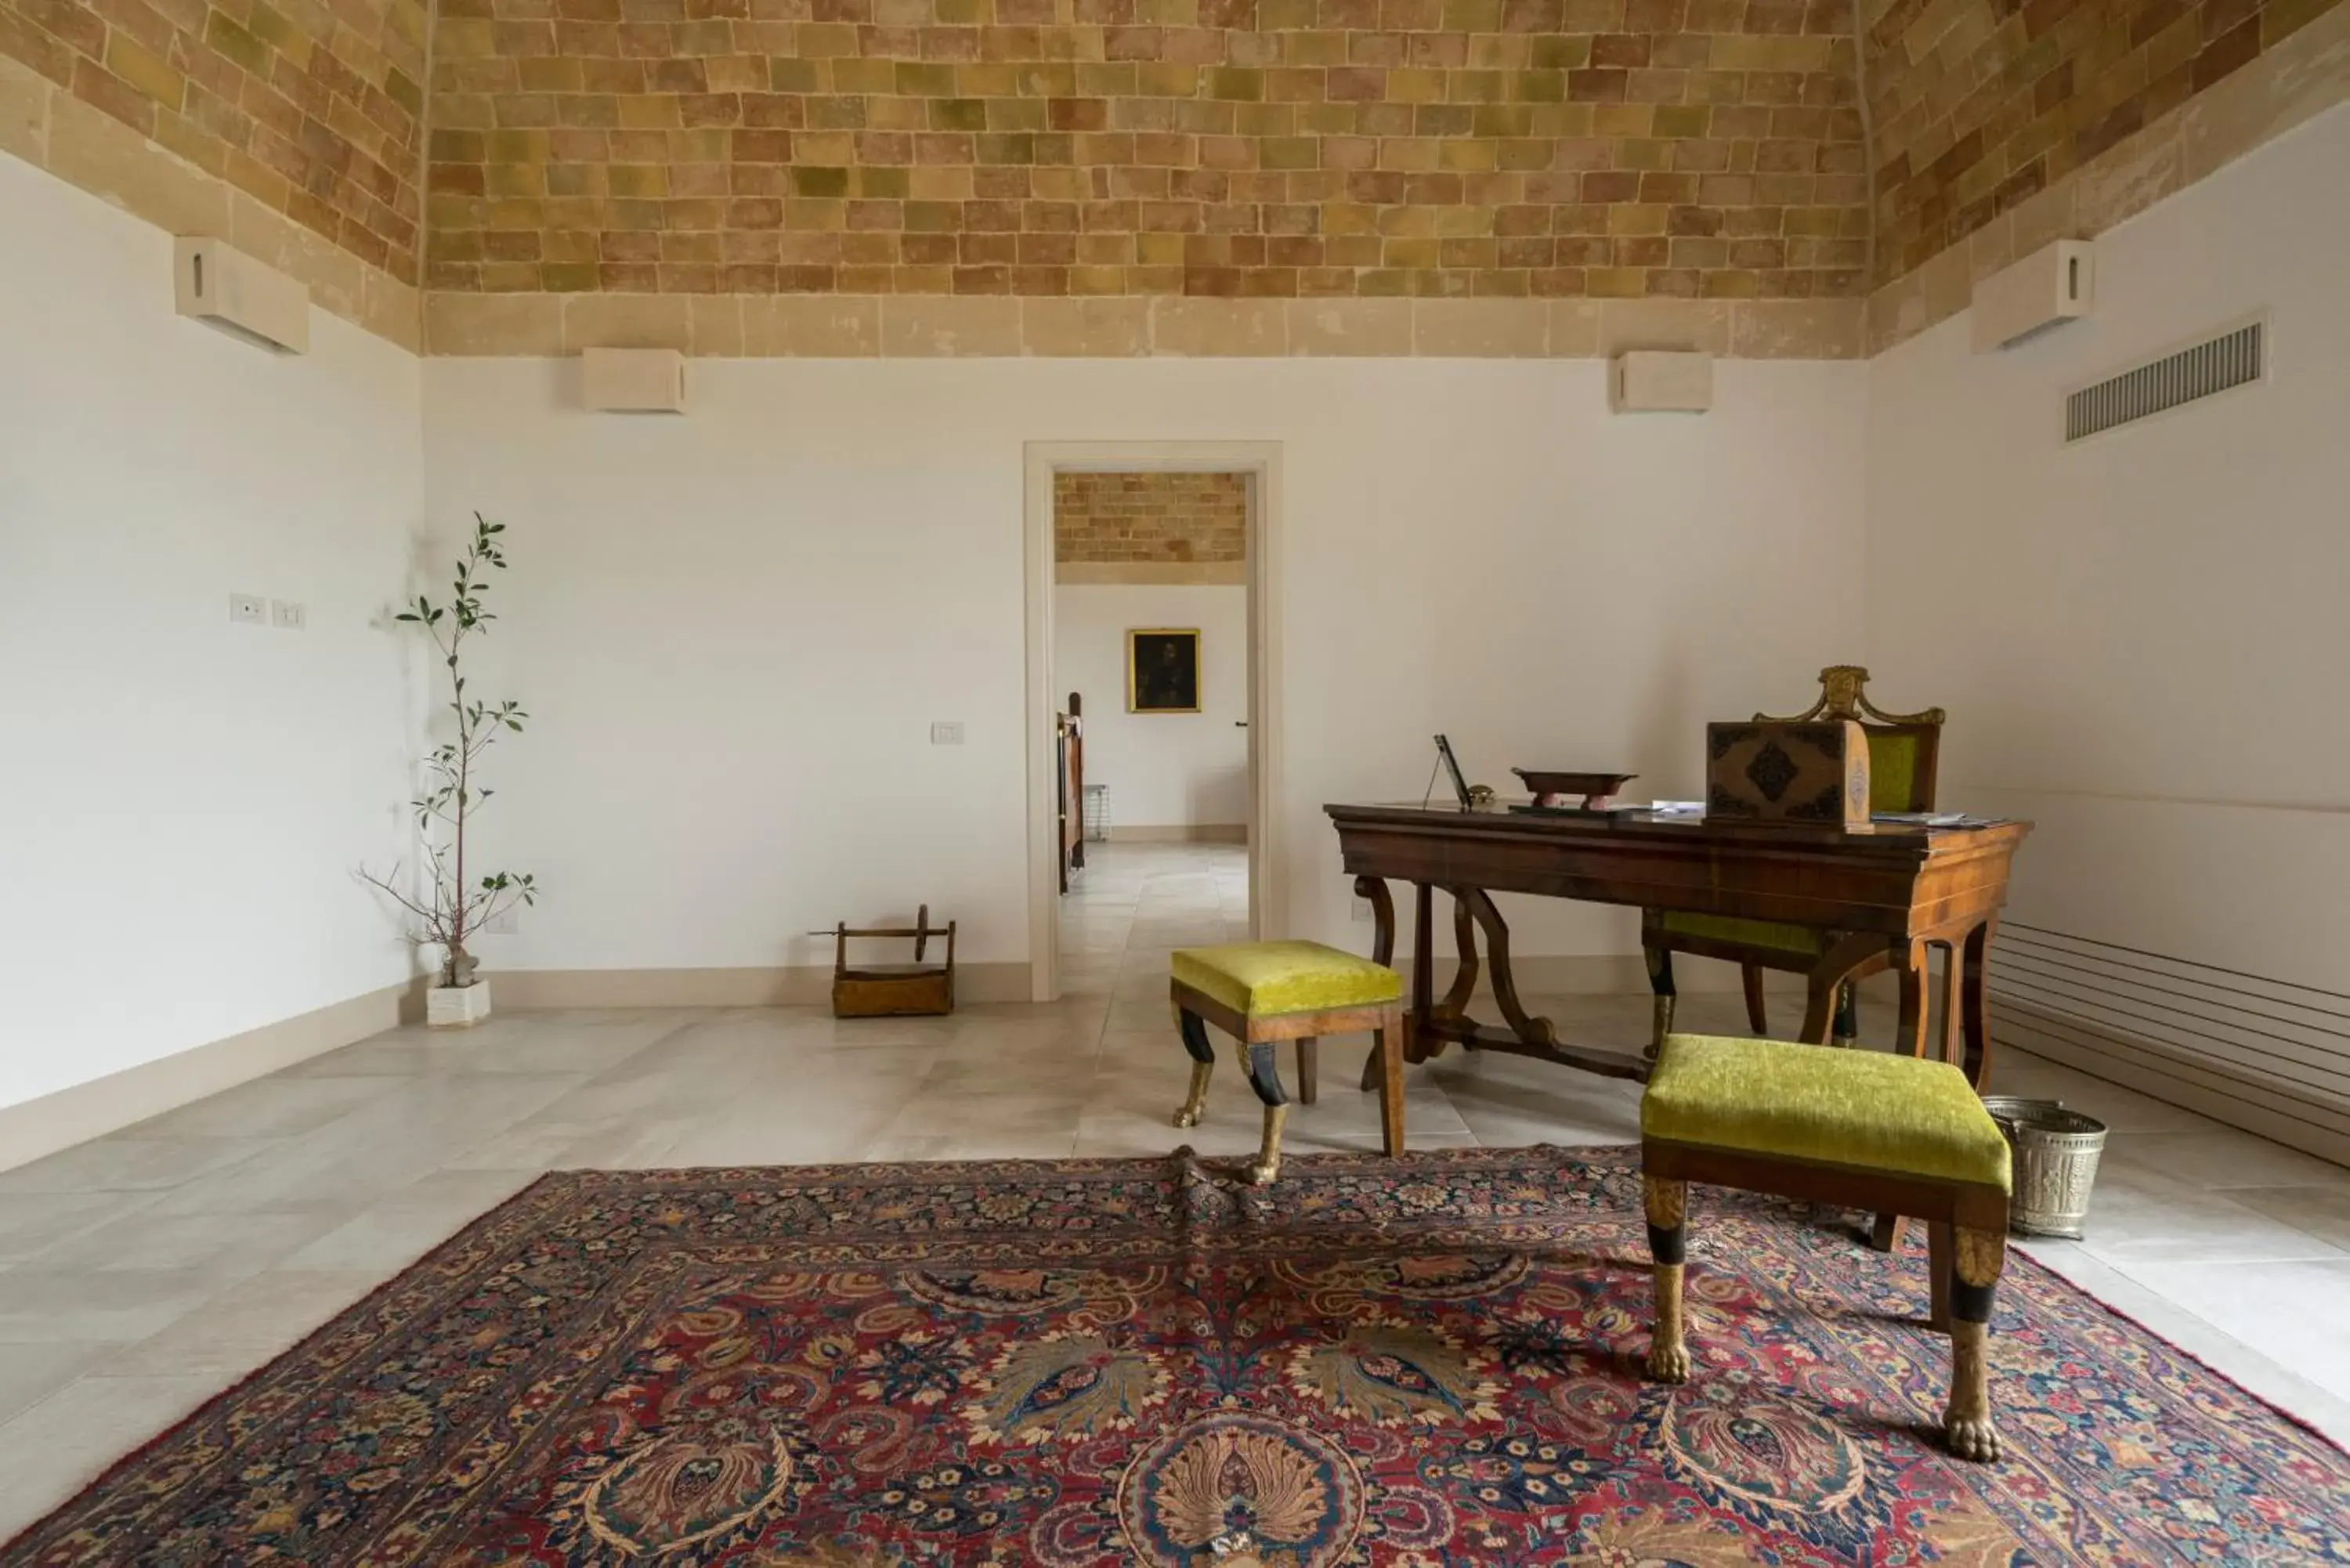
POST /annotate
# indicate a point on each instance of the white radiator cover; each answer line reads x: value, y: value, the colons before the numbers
x: 2268, y: 1055
x: 215, y: 283
x: 633, y: 380
x: 2056, y: 283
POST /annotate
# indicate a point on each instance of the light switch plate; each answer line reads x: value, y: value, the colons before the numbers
x: 947, y: 732
x: 1362, y: 911
x: 288, y: 616
x: 248, y: 609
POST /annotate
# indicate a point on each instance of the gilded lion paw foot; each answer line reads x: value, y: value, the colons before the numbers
x: 1264, y: 1172
x: 1186, y: 1118
x: 1668, y: 1363
x: 1972, y: 1438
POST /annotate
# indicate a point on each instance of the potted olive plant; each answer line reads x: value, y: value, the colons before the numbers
x: 459, y: 901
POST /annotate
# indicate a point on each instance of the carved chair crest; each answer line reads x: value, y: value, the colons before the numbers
x: 1842, y: 695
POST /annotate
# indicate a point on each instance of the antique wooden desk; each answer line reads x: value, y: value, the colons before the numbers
x: 1890, y: 896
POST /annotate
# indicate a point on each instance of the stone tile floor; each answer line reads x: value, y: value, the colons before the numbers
x: 144, y: 1271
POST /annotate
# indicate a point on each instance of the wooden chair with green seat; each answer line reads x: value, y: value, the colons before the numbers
x: 1903, y: 751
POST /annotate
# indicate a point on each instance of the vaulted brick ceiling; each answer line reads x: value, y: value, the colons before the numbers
x: 1486, y: 148
x: 1233, y: 147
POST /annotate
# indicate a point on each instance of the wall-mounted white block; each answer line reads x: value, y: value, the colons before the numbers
x: 227, y: 288
x: 947, y: 732
x: 286, y: 614
x: 2054, y: 284
x: 1648, y: 382
x: 248, y: 609
x: 633, y: 380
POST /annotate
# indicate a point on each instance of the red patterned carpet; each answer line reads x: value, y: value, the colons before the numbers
x: 1084, y: 1364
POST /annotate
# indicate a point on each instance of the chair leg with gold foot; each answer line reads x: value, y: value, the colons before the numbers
x: 1660, y: 980
x: 1667, y: 1206
x: 1203, y: 1066
x: 1265, y: 1078
x: 1977, y: 1258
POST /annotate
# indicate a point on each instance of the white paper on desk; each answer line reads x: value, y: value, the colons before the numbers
x: 1675, y: 806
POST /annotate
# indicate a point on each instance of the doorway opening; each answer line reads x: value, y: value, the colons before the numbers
x: 1153, y: 741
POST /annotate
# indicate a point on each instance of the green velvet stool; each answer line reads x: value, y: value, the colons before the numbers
x: 1262, y: 994
x: 1861, y: 1128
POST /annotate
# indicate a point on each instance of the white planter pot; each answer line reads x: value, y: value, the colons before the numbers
x: 457, y: 1006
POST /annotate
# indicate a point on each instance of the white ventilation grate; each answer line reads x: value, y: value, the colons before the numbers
x: 2231, y: 360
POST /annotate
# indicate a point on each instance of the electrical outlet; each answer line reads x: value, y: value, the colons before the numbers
x: 248, y: 609
x: 288, y: 616
x: 1362, y: 911
x: 505, y: 923
x: 947, y: 732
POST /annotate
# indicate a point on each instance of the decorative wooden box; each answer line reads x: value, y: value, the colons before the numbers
x: 890, y: 991
x: 1793, y: 775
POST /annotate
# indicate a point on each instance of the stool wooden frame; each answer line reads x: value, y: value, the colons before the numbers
x: 1967, y: 1238
x: 1257, y: 1037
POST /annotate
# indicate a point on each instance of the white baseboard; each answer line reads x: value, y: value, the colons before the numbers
x: 1180, y: 833
x: 71, y: 1115
x: 793, y: 985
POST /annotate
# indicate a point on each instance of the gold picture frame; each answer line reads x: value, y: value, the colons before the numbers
x: 1162, y: 669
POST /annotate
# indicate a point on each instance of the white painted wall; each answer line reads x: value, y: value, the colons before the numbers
x: 2142, y: 644
x: 2142, y: 640
x: 735, y: 628
x: 185, y: 799
x: 1163, y: 770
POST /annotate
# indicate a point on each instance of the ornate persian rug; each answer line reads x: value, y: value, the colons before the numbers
x: 1076, y: 1364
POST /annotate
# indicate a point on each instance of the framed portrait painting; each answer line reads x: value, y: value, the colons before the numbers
x: 1162, y: 669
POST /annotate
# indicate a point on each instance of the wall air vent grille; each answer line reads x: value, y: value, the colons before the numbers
x: 2231, y: 360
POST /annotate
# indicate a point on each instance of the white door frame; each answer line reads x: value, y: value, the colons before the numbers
x: 1260, y: 461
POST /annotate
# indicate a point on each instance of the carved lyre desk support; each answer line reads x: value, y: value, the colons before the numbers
x: 1895, y: 893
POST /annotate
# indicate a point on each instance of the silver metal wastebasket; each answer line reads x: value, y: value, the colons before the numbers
x: 2055, y: 1164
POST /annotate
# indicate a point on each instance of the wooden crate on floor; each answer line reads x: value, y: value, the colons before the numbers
x: 894, y: 990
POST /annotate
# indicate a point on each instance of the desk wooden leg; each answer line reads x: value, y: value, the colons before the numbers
x: 1910, y: 1036
x: 1525, y: 1026
x: 1423, y: 969
x: 1975, y: 1005
x: 1387, y: 1056
x: 1954, y: 969
x: 1374, y: 891
x: 1464, y: 966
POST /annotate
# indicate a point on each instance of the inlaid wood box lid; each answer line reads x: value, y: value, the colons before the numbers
x: 1801, y: 775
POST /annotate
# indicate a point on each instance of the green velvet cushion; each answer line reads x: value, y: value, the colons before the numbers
x: 1776, y: 935
x: 1263, y: 978
x: 1893, y: 772
x: 1864, y: 1109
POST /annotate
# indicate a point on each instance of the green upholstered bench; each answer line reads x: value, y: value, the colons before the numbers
x: 1896, y: 1134
x: 1262, y: 994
